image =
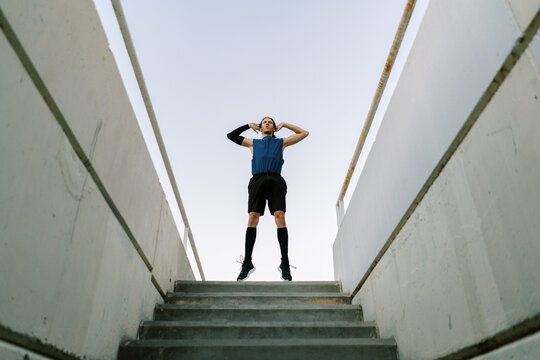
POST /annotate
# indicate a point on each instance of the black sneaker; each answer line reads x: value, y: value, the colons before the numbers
x: 247, y: 269
x: 285, y: 271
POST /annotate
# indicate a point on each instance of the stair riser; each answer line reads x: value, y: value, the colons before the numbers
x: 244, y: 332
x: 268, y: 300
x: 257, y: 315
x: 257, y: 287
x: 357, y: 352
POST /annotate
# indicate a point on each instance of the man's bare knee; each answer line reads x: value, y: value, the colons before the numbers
x: 279, y: 217
x: 253, y: 220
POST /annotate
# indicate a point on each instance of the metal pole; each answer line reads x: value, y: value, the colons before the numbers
x: 152, y: 116
x: 375, y: 103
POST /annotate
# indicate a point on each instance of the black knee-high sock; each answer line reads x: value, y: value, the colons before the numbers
x: 251, y: 234
x: 283, y: 238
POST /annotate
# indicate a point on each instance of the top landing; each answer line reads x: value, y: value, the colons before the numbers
x: 258, y: 286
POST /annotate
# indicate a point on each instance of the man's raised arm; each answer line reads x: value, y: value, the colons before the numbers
x: 235, y: 136
x: 299, y: 135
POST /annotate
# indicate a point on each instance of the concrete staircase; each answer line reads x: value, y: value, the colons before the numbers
x: 258, y: 320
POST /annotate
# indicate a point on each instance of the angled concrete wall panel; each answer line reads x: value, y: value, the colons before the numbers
x: 68, y: 47
x: 453, y: 59
x: 167, y: 239
x: 464, y: 268
x: 70, y: 275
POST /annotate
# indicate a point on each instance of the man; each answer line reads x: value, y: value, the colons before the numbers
x: 267, y: 185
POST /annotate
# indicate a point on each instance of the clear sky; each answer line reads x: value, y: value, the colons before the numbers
x: 213, y: 65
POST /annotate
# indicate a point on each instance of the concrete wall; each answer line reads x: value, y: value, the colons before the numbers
x: 69, y: 271
x: 525, y: 349
x: 10, y: 352
x: 465, y: 265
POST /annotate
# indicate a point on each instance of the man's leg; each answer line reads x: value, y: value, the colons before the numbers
x: 283, y: 238
x: 282, y: 234
x: 251, y: 234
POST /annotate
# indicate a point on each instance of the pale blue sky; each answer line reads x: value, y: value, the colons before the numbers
x: 214, y: 65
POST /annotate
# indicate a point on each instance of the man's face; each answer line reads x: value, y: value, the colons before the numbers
x: 267, y: 126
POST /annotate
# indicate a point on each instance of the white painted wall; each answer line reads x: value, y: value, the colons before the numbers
x: 69, y: 274
x: 465, y: 266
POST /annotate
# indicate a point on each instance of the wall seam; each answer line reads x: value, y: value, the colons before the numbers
x: 158, y: 227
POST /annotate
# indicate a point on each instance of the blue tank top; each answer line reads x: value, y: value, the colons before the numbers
x: 267, y: 155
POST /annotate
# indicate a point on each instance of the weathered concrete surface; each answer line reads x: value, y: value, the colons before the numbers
x: 232, y: 298
x: 69, y: 49
x: 258, y: 286
x: 261, y: 312
x: 465, y: 265
x: 12, y: 352
x: 69, y: 274
x: 64, y: 256
x: 167, y: 240
x: 257, y: 329
x: 258, y: 325
x: 526, y: 349
x: 261, y: 349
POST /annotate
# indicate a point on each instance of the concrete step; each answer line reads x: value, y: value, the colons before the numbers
x: 234, y: 298
x: 262, y: 349
x: 258, y: 312
x: 258, y: 286
x: 257, y: 330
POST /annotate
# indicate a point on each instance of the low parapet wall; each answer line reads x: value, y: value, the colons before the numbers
x: 460, y: 276
x: 87, y: 239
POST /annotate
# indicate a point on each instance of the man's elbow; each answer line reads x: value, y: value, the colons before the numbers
x: 236, y: 138
x: 232, y: 137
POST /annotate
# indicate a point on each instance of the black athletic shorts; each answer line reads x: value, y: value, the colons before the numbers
x: 266, y: 186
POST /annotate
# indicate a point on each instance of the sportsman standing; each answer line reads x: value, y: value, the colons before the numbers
x: 267, y: 184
